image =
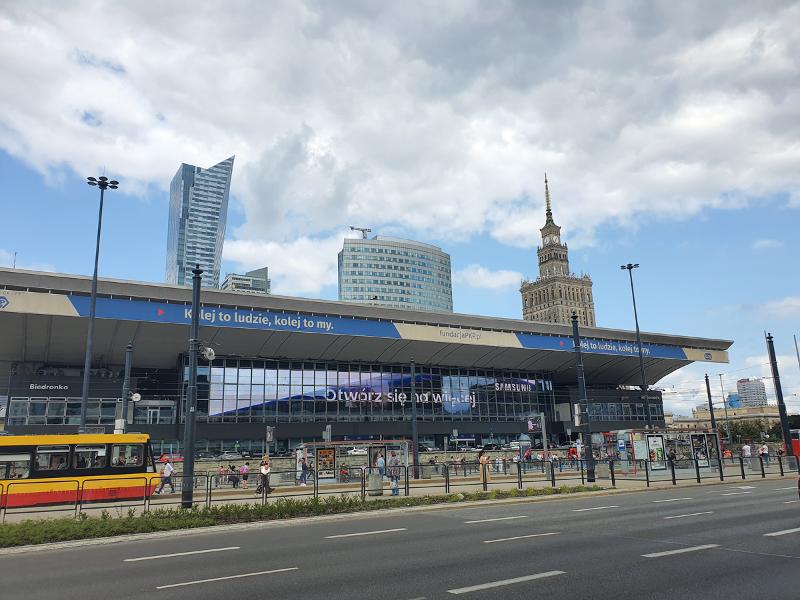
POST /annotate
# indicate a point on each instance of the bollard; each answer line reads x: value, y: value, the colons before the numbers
x: 672, y: 468
x: 721, y: 469
x: 741, y: 466
x: 761, y: 461
x: 611, y: 469
x: 484, y: 476
x: 552, y: 474
x: 780, y: 464
x: 407, y: 486
x: 364, y: 484
x: 647, y: 473
x: 519, y: 475
x: 446, y: 479
x: 583, y: 479
x: 316, y: 485
x: 697, y: 469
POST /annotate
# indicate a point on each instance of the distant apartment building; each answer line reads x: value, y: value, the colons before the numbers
x: 751, y: 392
x: 198, y: 212
x: 395, y: 273
x: 254, y: 282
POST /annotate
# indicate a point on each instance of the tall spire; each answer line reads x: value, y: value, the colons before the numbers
x: 548, y: 212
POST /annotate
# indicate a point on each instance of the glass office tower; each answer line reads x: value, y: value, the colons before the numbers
x: 387, y: 271
x: 198, y: 212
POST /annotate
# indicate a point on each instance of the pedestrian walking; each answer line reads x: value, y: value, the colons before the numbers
x: 747, y: 454
x: 380, y: 462
x: 394, y: 473
x: 763, y: 452
x: 233, y: 475
x: 222, y: 476
x: 166, y: 477
x: 244, y: 471
x: 303, y: 471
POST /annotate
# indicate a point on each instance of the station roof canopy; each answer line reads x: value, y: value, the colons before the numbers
x: 43, y: 319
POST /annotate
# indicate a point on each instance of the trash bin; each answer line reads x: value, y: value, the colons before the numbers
x: 374, y: 484
x: 426, y: 470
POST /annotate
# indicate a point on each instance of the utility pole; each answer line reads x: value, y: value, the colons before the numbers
x: 630, y: 267
x: 796, y: 351
x: 776, y: 380
x: 414, y: 426
x: 725, y: 408
x: 714, y: 421
x: 584, y: 401
x: 126, y: 386
x: 187, y: 487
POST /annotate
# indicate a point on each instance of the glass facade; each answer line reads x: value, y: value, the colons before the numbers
x: 62, y: 411
x: 237, y: 390
x: 198, y: 212
x: 385, y: 271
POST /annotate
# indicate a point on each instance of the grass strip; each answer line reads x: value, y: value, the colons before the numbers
x: 44, y: 531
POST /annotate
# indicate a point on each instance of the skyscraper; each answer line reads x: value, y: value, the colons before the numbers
x: 198, y: 212
x: 557, y: 292
x: 387, y: 271
x: 752, y: 392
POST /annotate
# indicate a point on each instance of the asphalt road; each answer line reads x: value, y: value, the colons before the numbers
x: 716, y: 542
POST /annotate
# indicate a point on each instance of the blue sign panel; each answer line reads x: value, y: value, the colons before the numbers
x: 156, y: 312
x: 596, y: 346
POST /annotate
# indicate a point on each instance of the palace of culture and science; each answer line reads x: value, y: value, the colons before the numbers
x: 556, y: 293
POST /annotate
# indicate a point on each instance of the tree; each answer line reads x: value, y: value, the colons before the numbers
x: 794, y: 423
x: 749, y: 429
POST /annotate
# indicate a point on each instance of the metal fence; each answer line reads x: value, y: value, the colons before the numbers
x: 146, y: 492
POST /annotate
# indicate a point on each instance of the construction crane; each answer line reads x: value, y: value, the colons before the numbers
x: 364, y: 231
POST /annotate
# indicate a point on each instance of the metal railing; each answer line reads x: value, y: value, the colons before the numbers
x: 148, y: 491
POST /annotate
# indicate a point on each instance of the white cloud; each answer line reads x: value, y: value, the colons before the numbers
x: 7, y: 259
x: 478, y: 276
x: 766, y: 244
x: 783, y: 308
x: 301, y: 267
x: 437, y: 119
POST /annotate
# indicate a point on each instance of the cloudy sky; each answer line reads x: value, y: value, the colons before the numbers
x: 670, y: 132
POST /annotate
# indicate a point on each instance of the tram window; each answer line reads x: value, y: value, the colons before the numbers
x: 52, y: 458
x: 15, y: 466
x: 90, y: 457
x: 127, y: 455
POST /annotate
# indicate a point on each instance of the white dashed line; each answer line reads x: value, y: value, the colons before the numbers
x: 502, y: 582
x: 345, y: 535
x: 497, y: 519
x: 173, y: 585
x: 784, y: 532
x: 671, y: 500
x: 680, y: 551
x: 708, y: 512
x: 157, y: 556
x: 735, y: 493
x: 593, y: 508
x: 521, y: 537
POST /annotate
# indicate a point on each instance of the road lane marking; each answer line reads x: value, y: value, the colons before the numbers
x: 157, y: 556
x: 791, y: 501
x: 521, y: 537
x: 735, y: 493
x: 671, y: 500
x: 680, y: 551
x: 593, y: 508
x: 502, y: 582
x: 784, y: 489
x: 784, y: 532
x: 174, y: 585
x: 708, y: 512
x: 344, y: 535
x: 497, y: 519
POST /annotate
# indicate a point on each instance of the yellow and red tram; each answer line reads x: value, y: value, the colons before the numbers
x: 37, y: 470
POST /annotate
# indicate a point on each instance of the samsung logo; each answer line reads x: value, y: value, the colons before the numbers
x: 512, y: 387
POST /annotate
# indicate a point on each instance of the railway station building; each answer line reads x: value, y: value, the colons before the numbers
x: 299, y: 365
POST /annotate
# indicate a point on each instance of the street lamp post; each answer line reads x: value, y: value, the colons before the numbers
x: 630, y: 267
x: 583, y: 400
x: 414, y: 424
x: 103, y: 183
x: 725, y: 408
x: 776, y: 381
x: 187, y: 488
x: 126, y: 385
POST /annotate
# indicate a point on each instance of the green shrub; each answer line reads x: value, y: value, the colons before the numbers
x: 163, y: 519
